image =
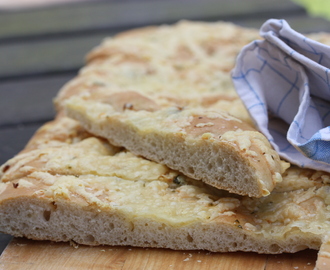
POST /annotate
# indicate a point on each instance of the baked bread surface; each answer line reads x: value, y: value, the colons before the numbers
x: 85, y: 190
x: 133, y: 81
x: 211, y: 146
x: 71, y: 185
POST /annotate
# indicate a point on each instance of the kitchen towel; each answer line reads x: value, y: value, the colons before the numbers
x: 284, y: 81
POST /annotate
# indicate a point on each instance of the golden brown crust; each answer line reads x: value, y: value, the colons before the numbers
x: 231, y: 154
x: 98, y: 185
x: 323, y: 258
x: 70, y: 185
x: 183, y: 65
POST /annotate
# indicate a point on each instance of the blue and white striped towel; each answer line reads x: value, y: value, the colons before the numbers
x: 284, y: 81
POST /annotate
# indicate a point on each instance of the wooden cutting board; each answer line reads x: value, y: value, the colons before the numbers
x: 34, y: 255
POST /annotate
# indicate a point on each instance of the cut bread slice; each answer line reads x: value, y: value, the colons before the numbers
x: 214, y: 147
x: 81, y: 189
x: 323, y: 258
x: 184, y: 65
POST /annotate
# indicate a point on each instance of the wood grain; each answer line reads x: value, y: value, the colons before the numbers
x: 45, y: 56
x: 28, y: 254
x: 13, y: 139
x: 98, y: 15
x: 30, y: 100
x: 63, y: 53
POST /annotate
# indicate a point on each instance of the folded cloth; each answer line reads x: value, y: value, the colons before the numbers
x: 284, y: 81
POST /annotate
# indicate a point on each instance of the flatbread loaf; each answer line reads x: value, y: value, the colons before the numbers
x: 214, y: 147
x: 71, y: 185
x: 135, y: 90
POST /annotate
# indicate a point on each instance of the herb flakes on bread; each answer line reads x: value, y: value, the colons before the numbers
x: 90, y: 192
x: 71, y: 185
x: 214, y: 147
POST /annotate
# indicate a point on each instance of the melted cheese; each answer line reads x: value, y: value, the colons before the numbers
x: 184, y: 64
x: 144, y: 189
x: 140, y: 199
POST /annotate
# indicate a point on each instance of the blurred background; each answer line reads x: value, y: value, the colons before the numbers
x: 43, y: 44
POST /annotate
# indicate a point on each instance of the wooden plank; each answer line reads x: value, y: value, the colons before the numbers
x: 46, y: 55
x: 302, y: 260
x: 100, y: 15
x: 23, y: 4
x: 301, y: 23
x: 42, y: 56
x: 29, y: 99
x: 13, y: 139
x: 28, y: 254
x: 4, y: 240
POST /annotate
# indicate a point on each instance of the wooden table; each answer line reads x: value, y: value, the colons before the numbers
x: 35, y: 255
x: 43, y: 48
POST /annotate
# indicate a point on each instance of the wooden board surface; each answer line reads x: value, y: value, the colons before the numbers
x: 27, y: 254
x: 111, y: 14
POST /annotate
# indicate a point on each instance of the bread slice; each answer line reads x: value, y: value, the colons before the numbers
x: 214, y: 147
x: 81, y: 189
x: 186, y: 65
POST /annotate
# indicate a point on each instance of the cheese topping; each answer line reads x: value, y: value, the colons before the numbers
x: 189, y: 64
x: 139, y: 188
x: 185, y: 64
x: 3, y: 187
x: 189, y: 125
